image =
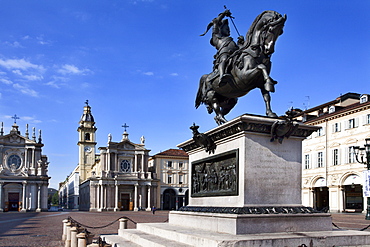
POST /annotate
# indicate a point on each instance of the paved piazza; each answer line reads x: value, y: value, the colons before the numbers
x: 45, y: 229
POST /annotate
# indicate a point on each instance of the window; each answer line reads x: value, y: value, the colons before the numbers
x: 321, y: 132
x: 352, y: 123
x: 332, y: 109
x: 351, y: 155
x: 125, y: 166
x: 307, y: 161
x: 335, y: 157
x: 336, y: 127
x: 320, y: 160
x: 181, y: 164
x: 169, y: 179
x: 367, y: 119
x: 181, y: 179
x: 87, y: 137
x: 169, y: 163
x: 363, y: 99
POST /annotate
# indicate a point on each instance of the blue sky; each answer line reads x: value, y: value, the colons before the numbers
x: 139, y: 62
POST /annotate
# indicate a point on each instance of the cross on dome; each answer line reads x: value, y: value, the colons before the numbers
x: 15, y: 118
x: 125, y: 126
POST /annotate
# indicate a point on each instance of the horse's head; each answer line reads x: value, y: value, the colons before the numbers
x: 271, y: 29
x: 265, y: 30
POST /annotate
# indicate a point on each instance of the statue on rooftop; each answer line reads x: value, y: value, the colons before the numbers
x: 242, y: 66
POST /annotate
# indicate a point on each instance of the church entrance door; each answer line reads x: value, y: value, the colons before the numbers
x: 125, y: 201
x: 13, y: 199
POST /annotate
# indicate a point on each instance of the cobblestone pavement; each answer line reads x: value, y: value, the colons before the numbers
x: 45, y: 229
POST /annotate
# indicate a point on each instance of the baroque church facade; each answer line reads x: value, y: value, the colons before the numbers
x: 117, y: 177
x: 24, y: 176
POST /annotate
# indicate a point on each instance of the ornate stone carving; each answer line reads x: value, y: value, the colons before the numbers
x: 215, y: 176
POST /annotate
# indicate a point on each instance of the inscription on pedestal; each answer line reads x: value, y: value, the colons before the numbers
x: 216, y: 176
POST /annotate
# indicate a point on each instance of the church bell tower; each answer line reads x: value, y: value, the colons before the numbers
x: 86, y: 143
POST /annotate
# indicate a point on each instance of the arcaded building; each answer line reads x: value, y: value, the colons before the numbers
x: 332, y: 178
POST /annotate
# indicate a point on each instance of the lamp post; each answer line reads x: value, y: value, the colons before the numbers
x: 362, y: 155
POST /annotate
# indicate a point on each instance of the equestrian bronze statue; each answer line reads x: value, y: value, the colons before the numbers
x: 240, y: 67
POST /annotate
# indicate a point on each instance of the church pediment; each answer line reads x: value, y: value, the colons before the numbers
x: 13, y: 139
x: 127, y: 145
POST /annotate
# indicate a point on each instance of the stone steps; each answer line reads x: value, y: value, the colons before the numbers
x: 165, y: 234
x: 117, y: 241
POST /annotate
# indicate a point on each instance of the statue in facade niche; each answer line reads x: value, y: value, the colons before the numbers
x: 242, y: 66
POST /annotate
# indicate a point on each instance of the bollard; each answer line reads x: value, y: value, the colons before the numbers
x: 68, y: 234
x: 123, y: 223
x: 64, y: 235
x: 122, y: 226
x: 74, y: 236
x: 81, y: 239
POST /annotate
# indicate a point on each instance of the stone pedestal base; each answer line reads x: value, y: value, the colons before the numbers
x: 252, y: 223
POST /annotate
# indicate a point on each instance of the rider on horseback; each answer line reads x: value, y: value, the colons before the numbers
x: 224, y: 44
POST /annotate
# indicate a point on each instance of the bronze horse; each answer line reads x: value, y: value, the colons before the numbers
x: 239, y: 68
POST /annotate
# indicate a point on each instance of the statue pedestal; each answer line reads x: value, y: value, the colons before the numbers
x: 246, y: 193
x: 250, y: 184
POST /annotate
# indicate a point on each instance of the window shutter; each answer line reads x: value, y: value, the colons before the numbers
x: 356, y: 122
x: 339, y: 157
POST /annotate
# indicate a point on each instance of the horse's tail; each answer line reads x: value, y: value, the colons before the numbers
x: 201, y: 91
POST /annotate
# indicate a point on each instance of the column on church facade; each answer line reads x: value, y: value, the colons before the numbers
x: 33, y: 169
x: 26, y: 156
x: 44, y: 193
x: 1, y: 197
x: 104, y: 197
x: 98, y: 197
x: 116, y: 166
x: 93, y: 197
x: 116, y: 196
x: 148, y: 199
x: 143, y: 169
x: 101, y: 199
x: 136, y: 161
x: 24, y: 197
x: 108, y: 163
x: 38, y: 187
x: 135, y: 198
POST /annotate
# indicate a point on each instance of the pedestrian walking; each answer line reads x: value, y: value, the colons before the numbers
x: 153, y: 210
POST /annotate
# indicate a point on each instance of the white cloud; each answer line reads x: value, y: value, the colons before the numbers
x: 52, y: 84
x: 148, y: 73
x: 27, y: 77
x: 20, y: 64
x: 25, y: 90
x: 30, y: 119
x: 14, y: 44
x: 174, y: 74
x: 6, y: 81
x: 72, y: 69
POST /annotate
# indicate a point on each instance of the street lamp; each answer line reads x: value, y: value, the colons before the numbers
x: 363, y: 156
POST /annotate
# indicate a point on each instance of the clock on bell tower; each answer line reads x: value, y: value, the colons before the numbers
x: 86, y: 142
